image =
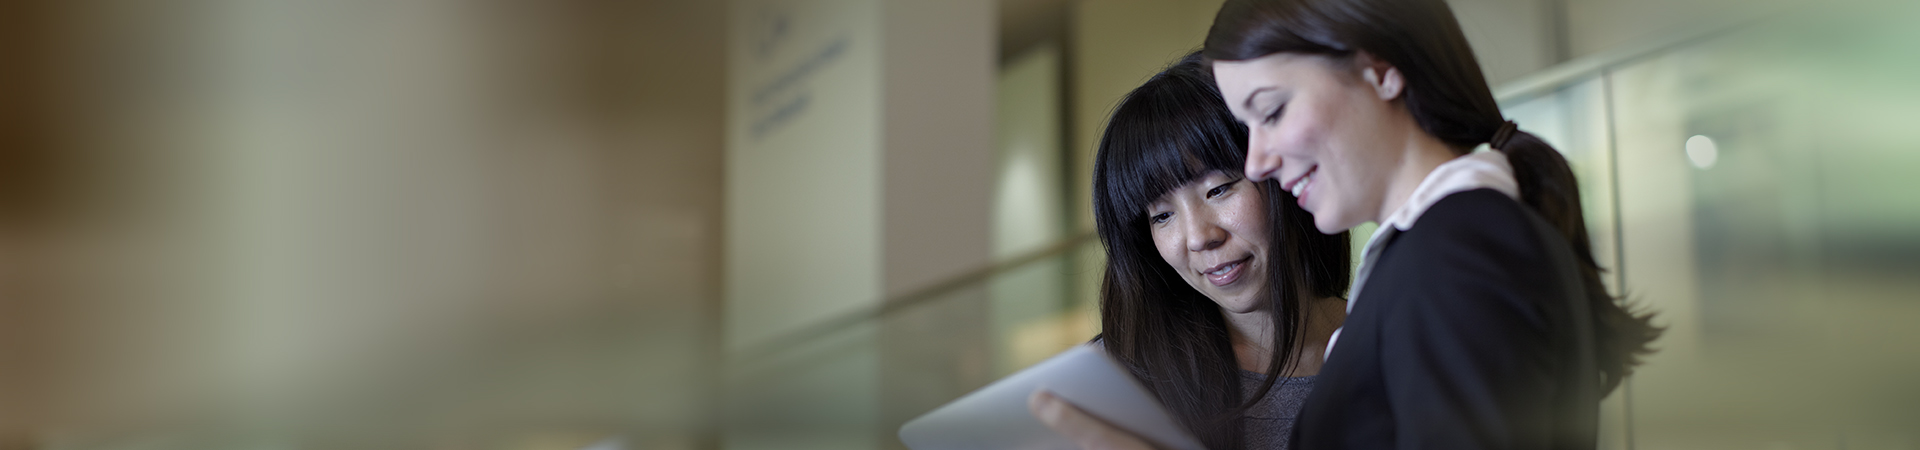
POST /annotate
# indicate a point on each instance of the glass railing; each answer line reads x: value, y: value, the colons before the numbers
x: 850, y: 383
x: 1755, y: 186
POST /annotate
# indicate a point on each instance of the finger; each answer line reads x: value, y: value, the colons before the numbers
x: 1065, y: 419
x: 1085, y: 430
x: 1046, y: 407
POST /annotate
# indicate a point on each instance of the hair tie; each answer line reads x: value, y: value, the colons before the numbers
x: 1504, y: 134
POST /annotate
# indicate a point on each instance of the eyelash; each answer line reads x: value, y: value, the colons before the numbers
x: 1221, y: 189
x: 1275, y: 116
x: 1211, y: 193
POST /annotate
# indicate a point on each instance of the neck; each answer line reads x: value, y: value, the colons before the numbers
x: 1318, y: 319
x: 1421, y: 154
x: 1251, y: 334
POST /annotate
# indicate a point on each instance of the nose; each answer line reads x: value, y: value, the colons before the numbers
x: 1262, y: 162
x: 1202, y: 233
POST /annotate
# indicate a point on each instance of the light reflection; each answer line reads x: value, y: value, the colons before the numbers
x: 1702, y: 152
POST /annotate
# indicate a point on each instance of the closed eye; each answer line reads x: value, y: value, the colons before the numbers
x: 1275, y: 115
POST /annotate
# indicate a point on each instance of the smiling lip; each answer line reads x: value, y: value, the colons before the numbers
x: 1301, y: 185
x: 1231, y: 273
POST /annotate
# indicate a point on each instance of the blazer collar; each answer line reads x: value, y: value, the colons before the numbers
x: 1476, y: 170
x: 1480, y: 169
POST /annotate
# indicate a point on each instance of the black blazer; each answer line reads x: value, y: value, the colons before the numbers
x: 1473, y: 332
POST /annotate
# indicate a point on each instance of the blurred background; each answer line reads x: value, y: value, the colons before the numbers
x: 780, y: 224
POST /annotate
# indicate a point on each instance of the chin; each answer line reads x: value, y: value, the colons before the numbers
x: 1249, y: 303
x: 1327, y: 225
x: 1238, y: 309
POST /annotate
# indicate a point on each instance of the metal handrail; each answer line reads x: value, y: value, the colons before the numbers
x: 894, y: 304
x: 1551, y: 79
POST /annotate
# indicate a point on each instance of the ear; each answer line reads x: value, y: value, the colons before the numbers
x: 1385, y: 79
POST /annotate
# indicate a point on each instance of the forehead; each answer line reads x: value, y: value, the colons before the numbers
x: 1237, y: 79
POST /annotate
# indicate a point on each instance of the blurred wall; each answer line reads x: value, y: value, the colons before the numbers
x: 1116, y: 45
x: 804, y: 164
x: 1513, y: 38
x: 1030, y: 210
x: 1767, y: 215
x: 25, y: 161
x: 860, y: 170
x: 362, y: 225
x: 1596, y: 26
x: 863, y: 136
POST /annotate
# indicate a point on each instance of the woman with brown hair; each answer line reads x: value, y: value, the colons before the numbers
x: 1479, y: 320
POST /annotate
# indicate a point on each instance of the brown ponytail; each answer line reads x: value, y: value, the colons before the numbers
x: 1448, y: 96
x: 1547, y: 185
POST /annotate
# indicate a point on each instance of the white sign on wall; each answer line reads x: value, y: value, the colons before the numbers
x: 803, y: 164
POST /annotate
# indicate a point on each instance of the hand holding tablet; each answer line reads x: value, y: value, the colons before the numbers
x: 997, y: 416
x: 1086, y: 431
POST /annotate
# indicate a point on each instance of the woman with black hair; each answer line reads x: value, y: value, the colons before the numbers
x: 1478, y: 319
x: 1218, y: 293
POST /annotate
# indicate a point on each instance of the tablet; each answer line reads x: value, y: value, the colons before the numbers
x: 996, y: 416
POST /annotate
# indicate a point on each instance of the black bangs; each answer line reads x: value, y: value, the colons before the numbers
x: 1170, y: 131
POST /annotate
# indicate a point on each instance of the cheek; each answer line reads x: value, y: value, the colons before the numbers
x: 1358, y: 141
x: 1249, y: 219
x: 1169, y: 249
x: 1336, y: 146
x: 1350, y: 168
x: 1305, y: 131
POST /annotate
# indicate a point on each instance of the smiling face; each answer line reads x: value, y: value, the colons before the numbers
x: 1214, y: 232
x: 1329, y: 129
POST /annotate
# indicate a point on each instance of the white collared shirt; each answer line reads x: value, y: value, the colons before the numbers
x: 1480, y: 169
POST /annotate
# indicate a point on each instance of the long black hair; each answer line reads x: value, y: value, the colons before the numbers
x: 1173, y: 130
x: 1450, y: 100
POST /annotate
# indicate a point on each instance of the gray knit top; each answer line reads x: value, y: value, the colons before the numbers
x: 1269, y: 424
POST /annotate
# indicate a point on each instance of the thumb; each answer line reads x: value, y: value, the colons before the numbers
x: 1085, y: 430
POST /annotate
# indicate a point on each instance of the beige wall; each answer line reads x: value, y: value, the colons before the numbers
x: 860, y: 169
x: 363, y: 225
x: 1511, y: 38
x: 804, y: 164
x: 1595, y: 26
x: 940, y: 59
x: 940, y: 62
x: 869, y: 174
x: 1116, y: 45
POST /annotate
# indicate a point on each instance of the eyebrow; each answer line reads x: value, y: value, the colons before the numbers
x: 1256, y: 93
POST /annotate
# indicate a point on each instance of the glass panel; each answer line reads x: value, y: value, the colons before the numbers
x: 1574, y: 120
x: 815, y: 394
x: 1768, y: 216
x: 852, y: 386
